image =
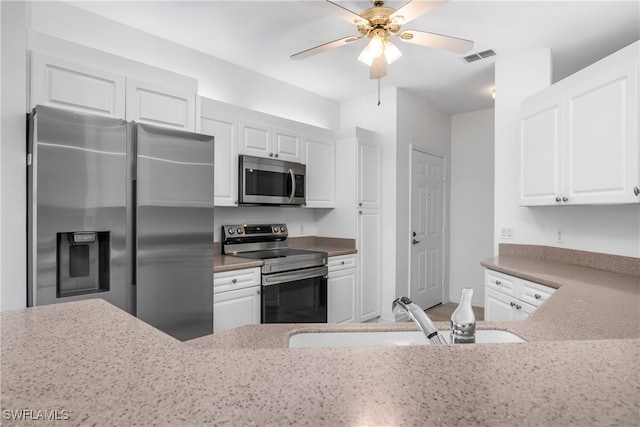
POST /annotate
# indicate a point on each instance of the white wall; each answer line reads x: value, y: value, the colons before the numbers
x: 424, y: 127
x: 606, y: 229
x: 53, y: 25
x: 472, y: 199
x: 13, y: 171
x: 217, y: 79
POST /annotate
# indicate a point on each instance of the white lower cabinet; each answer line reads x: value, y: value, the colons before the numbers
x: 511, y: 298
x: 236, y: 299
x: 342, y: 289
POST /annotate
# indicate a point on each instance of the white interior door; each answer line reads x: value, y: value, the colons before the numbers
x: 427, y: 229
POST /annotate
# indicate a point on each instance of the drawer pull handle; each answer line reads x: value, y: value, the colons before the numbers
x: 498, y: 282
x: 234, y: 280
x: 538, y: 296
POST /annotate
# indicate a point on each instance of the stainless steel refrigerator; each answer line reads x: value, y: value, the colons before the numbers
x: 121, y: 211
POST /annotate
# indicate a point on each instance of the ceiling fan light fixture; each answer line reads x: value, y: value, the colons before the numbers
x: 391, y: 52
x: 374, y: 49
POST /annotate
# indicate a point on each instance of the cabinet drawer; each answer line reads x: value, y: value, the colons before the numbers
x: 500, y: 282
x: 341, y: 262
x: 535, y: 293
x: 236, y: 279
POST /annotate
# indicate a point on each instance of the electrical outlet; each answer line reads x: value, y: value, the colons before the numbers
x: 301, y: 229
x: 506, y: 233
x: 560, y: 236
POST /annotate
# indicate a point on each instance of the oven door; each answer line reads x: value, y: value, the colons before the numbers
x: 295, y: 297
x: 270, y: 182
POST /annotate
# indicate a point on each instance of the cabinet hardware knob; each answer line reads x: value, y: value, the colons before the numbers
x: 513, y: 303
x: 360, y: 204
x: 360, y: 212
x: 538, y: 296
x: 518, y: 306
x: 276, y: 154
x: 234, y: 280
x: 498, y: 282
x: 636, y: 191
x: 258, y: 292
x: 565, y: 199
x: 342, y: 263
x: 558, y: 199
x: 270, y: 154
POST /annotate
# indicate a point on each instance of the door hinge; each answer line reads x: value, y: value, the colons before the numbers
x: 29, y: 159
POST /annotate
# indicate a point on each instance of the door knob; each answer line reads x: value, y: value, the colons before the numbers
x: 415, y: 242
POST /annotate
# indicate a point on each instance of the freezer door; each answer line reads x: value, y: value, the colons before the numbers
x: 174, y: 226
x: 77, y: 214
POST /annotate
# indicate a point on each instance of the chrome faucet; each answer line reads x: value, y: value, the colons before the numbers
x: 420, y: 317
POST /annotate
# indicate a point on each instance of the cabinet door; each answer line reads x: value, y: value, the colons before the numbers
x: 369, y: 174
x: 63, y: 84
x: 255, y: 139
x: 225, y: 132
x: 341, y: 296
x: 161, y: 106
x: 320, y: 158
x: 369, y: 261
x: 541, y: 151
x: 236, y: 308
x: 497, y: 306
x: 602, y: 132
x: 287, y: 145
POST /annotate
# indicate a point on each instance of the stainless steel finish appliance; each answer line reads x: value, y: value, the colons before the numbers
x: 270, y: 182
x: 294, y: 281
x: 124, y: 212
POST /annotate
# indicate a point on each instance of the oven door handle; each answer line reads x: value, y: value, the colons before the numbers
x: 293, y: 276
x: 292, y: 177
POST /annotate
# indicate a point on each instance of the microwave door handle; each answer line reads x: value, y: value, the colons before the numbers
x: 293, y: 185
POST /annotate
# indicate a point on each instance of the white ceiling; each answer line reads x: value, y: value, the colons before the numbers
x: 261, y: 36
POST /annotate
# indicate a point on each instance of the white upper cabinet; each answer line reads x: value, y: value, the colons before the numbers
x: 370, y: 173
x: 579, y: 138
x: 320, y: 158
x: 287, y: 145
x: 63, y: 84
x: 161, y: 106
x: 263, y: 140
x: 224, y: 129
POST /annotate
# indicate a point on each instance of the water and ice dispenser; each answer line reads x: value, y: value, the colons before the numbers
x: 83, y: 259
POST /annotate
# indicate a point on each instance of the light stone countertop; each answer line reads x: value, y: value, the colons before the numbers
x: 581, y: 367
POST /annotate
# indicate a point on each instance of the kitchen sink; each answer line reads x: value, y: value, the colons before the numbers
x: 388, y: 338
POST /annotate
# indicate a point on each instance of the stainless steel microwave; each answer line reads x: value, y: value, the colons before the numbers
x: 270, y: 182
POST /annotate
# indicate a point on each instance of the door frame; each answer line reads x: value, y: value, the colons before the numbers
x: 445, y: 218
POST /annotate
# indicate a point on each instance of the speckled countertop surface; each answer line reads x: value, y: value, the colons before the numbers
x: 581, y: 367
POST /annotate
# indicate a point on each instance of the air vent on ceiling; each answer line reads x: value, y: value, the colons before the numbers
x: 479, y: 55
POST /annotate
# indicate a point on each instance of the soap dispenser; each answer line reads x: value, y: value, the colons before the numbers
x: 463, y: 321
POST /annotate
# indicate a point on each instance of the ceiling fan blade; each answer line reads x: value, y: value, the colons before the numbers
x: 415, y: 8
x: 378, y: 68
x: 437, y: 41
x: 336, y: 10
x: 324, y: 47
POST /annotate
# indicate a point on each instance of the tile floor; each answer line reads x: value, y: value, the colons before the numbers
x: 442, y: 312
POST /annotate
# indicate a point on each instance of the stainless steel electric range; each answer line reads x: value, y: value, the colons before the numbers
x: 294, y: 281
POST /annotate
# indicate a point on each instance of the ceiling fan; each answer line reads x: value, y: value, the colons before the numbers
x: 379, y: 23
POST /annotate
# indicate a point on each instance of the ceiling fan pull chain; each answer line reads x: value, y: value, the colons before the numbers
x: 378, y: 92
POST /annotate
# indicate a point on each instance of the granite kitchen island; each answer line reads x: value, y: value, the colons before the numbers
x: 101, y: 366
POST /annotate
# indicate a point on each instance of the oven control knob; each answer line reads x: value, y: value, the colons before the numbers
x: 231, y: 231
x: 239, y: 230
x: 283, y: 229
